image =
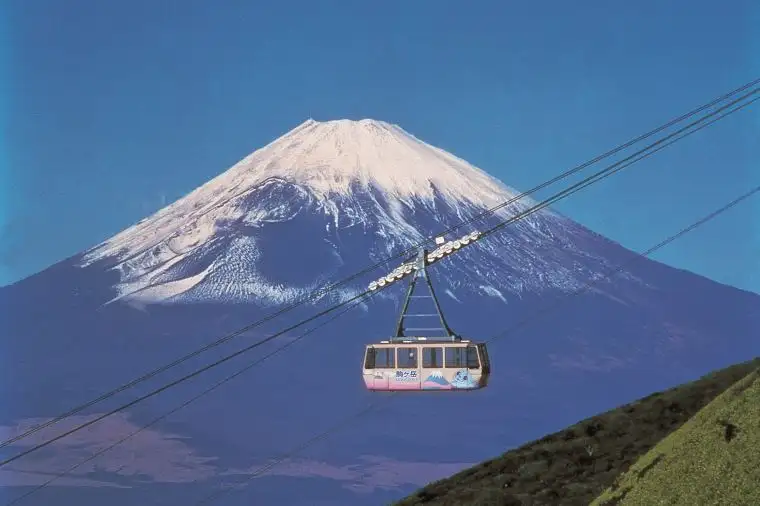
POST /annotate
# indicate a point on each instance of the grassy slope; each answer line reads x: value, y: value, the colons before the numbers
x: 705, y: 462
x: 574, y: 466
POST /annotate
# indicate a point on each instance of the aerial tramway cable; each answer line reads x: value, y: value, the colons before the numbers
x: 217, y: 494
x: 226, y: 358
x: 331, y: 287
x: 639, y: 155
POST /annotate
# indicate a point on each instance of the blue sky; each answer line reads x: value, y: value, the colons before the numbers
x: 115, y: 108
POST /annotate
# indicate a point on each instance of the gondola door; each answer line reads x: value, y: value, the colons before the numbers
x: 407, y: 375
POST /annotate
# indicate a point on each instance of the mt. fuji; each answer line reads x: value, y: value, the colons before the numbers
x: 313, y: 207
x: 337, y: 182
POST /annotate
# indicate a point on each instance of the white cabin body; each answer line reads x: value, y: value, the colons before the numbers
x: 420, y: 364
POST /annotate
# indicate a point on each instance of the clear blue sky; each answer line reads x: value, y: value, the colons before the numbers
x: 116, y: 107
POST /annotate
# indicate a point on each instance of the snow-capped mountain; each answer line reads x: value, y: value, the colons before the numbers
x: 343, y: 180
x: 315, y: 206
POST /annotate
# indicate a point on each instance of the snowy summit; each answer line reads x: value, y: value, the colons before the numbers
x: 332, y: 156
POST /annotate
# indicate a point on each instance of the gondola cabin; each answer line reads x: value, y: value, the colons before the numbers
x: 407, y: 361
x: 419, y: 365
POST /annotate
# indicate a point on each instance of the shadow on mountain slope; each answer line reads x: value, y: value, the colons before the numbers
x: 711, y: 459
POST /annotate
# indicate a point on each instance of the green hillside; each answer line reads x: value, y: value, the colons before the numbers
x: 574, y: 466
x: 714, y: 458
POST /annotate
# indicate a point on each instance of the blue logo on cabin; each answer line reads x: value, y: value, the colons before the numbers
x: 463, y: 379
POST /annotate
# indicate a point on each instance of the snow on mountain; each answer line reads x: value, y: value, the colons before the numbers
x: 339, y: 177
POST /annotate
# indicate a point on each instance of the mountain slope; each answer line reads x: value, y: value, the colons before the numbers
x: 572, y: 466
x: 315, y: 206
x: 712, y: 459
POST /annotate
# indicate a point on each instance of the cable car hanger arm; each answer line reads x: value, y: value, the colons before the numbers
x: 425, y: 258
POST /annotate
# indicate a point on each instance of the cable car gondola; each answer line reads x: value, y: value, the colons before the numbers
x: 409, y: 361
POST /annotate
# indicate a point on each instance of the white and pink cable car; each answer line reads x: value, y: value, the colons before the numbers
x: 412, y: 361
